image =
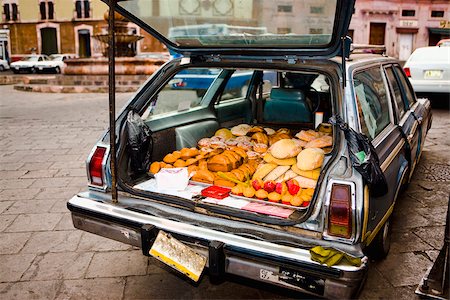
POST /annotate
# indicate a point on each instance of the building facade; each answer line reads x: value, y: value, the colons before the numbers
x: 400, y: 25
x: 68, y: 26
x: 58, y: 26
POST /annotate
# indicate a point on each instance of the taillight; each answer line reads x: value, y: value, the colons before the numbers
x: 340, y: 211
x: 95, y: 166
x: 407, y: 71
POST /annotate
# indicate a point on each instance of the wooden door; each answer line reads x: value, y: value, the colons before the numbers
x: 377, y: 33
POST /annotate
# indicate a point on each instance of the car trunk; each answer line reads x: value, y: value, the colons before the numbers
x: 232, y: 139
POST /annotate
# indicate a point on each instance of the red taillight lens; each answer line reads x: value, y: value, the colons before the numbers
x: 407, y: 71
x: 95, y: 166
x: 340, y: 211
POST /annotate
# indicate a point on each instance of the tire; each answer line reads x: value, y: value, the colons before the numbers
x: 2, y: 68
x: 33, y: 71
x: 379, y: 248
x: 15, y: 71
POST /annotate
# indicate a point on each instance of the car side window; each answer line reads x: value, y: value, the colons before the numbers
x: 372, y: 101
x: 397, y: 95
x: 182, y: 93
x: 408, y: 93
x: 237, y: 85
x: 40, y: 58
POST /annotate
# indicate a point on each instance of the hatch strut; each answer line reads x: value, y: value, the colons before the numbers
x: 345, y: 53
x: 112, y: 98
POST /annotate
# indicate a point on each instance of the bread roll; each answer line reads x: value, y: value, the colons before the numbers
x: 285, y: 148
x: 322, y: 142
x: 308, y: 135
x: 306, y: 182
x: 179, y: 163
x: 203, y: 176
x: 155, y: 167
x: 310, y: 159
x: 186, y: 153
x: 268, y: 158
x: 241, y: 129
x: 170, y: 158
x: 260, y: 138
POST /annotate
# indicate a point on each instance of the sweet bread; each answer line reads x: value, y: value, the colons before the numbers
x: 260, y: 148
x: 205, y: 142
x: 155, y: 167
x: 186, y: 153
x: 170, y: 158
x: 203, y: 176
x: 260, y: 138
x: 240, y: 130
x: 285, y: 148
x: 179, y: 163
x: 220, y: 163
x: 310, y: 159
x: 308, y: 135
x: 322, y: 142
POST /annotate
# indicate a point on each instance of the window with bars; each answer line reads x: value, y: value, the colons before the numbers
x: 437, y: 13
x: 83, y: 9
x: 10, y: 12
x: 47, y: 10
x: 284, y: 8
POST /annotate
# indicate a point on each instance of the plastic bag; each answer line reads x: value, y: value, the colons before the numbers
x: 140, y: 144
x: 364, y: 158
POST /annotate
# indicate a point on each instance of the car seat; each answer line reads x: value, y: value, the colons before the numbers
x: 287, y: 105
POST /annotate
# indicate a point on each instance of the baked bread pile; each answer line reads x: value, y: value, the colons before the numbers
x: 257, y: 162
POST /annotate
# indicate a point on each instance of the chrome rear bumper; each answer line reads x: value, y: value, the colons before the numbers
x: 263, y: 261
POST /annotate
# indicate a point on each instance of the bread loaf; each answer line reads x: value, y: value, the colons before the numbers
x: 322, y: 142
x: 285, y: 148
x: 203, y: 176
x: 310, y: 159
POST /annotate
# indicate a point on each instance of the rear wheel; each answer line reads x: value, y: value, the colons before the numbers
x: 2, y: 68
x: 379, y: 248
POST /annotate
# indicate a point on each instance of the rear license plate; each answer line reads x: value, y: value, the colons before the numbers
x: 294, y: 279
x: 433, y: 74
x: 177, y: 255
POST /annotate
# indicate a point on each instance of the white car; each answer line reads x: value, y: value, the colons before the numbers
x: 3, y: 65
x: 428, y: 69
x: 55, y: 64
x: 27, y: 63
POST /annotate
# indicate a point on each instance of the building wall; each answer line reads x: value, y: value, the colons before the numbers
x: 25, y: 36
x: 403, y: 34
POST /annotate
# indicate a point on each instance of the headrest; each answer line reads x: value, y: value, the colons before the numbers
x: 284, y: 94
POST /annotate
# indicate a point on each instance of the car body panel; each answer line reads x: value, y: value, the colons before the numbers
x: 4, y: 65
x: 28, y: 63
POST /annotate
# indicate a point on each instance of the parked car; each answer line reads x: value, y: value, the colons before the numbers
x: 428, y: 69
x: 55, y: 64
x: 3, y: 65
x: 266, y: 227
x: 443, y: 43
x: 27, y: 63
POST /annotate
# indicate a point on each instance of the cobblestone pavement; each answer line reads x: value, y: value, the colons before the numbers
x: 45, y: 139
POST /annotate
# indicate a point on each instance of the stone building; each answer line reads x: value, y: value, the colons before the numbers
x: 401, y: 25
x: 58, y: 26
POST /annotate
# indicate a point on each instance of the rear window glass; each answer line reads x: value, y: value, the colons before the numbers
x: 239, y: 22
x: 373, y: 104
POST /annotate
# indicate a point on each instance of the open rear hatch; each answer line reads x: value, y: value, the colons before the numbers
x: 302, y: 28
x: 270, y: 171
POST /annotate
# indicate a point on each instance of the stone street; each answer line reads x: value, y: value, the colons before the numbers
x: 45, y: 139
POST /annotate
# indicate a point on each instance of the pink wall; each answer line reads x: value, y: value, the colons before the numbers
x: 401, y: 31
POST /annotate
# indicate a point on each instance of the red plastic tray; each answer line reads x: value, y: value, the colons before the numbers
x: 216, y: 192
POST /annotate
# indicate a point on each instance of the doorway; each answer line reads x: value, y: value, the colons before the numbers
x: 49, y: 41
x: 377, y: 33
x: 406, y: 45
x: 84, y: 43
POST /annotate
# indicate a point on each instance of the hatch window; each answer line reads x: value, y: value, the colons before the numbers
x: 236, y: 23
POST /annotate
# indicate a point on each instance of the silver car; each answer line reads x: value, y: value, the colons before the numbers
x: 302, y: 85
x: 428, y: 69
